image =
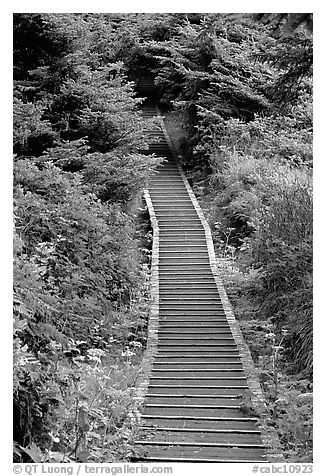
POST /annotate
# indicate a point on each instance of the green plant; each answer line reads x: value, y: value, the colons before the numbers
x: 80, y: 271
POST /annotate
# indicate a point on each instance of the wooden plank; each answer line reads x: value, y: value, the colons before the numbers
x: 193, y: 413
x: 198, y: 381
x: 210, y: 333
x: 188, y: 344
x: 182, y: 349
x: 201, y: 444
x: 208, y: 370
x: 197, y: 423
x: 204, y: 454
x: 192, y: 399
x: 203, y: 437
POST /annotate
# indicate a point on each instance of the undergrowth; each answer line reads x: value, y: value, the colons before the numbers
x: 81, y: 249
x: 287, y: 391
x: 73, y: 397
x: 287, y: 394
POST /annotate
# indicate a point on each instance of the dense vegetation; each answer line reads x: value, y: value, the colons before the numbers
x: 237, y: 94
x: 80, y: 272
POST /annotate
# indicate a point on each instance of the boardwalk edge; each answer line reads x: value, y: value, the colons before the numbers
x: 143, y: 378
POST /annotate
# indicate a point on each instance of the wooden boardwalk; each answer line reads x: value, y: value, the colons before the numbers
x: 192, y: 409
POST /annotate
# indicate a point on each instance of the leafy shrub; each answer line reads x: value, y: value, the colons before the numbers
x: 80, y: 275
x: 270, y: 207
x: 75, y: 290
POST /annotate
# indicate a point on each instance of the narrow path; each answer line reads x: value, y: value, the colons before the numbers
x: 192, y: 407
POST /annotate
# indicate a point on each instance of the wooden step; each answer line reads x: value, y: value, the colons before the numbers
x: 234, y: 437
x: 227, y: 443
x: 201, y: 390
x: 202, y: 454
x: 165, y: 348
x: 194, y: 399
x: 197, y: 366
x: 195, y: 333
x: 191, y: 357
x: 198, y: 422
x: 194, y: 374
x: 187, y: 287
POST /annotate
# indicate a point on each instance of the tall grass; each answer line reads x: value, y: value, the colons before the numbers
x: 269, y: 204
